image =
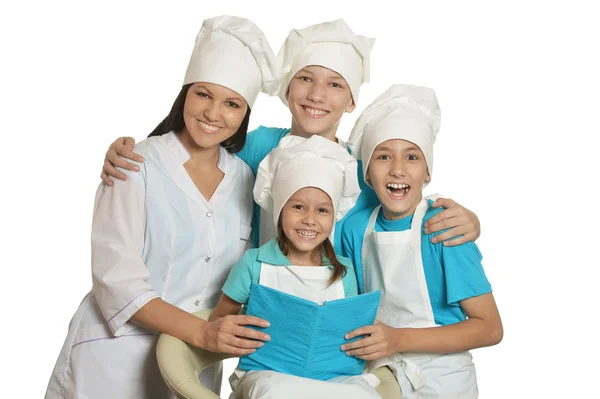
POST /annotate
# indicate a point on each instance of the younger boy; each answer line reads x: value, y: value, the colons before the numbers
x: 436, y: 302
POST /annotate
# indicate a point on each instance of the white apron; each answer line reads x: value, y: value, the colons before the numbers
x: 310, y: 283
x: 392, y: 263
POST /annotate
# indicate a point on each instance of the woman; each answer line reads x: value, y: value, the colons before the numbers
x: 164, y: 241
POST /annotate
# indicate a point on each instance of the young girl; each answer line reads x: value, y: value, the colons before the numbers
x: 304, y: 184
x: 438, y: 303
x: 322, y: 68
x: 164, y: 241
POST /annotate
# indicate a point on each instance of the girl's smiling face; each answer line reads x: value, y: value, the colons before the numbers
x: 307, y: 220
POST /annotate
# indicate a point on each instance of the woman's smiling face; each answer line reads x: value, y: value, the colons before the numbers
x: 212, y: 114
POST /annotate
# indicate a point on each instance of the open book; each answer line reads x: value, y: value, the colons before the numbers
x: 306, y: 337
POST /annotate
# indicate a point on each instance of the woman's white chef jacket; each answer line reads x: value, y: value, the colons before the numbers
x: 153, y: 235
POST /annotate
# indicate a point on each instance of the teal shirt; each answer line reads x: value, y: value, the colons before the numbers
x: 260, y: 142
x: 452, y: 273
x: 247, y: 271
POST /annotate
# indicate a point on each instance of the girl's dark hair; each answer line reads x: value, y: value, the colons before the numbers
x: 174, y: 122
x: 324, y: 248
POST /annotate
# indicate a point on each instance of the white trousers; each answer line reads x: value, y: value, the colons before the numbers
x: 271, y: 384
x: 449, y: 376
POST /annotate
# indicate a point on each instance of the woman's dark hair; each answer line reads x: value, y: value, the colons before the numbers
x: 174, y: 122
x: 324, y: 248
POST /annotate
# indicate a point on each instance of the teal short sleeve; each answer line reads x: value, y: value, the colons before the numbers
x: 248, y: 149
x: 464, y: 274
x: 351, y: 239
x: 367, y: 199
x: 259, y: 143
x: 237, y: 286
x: 349, y: 280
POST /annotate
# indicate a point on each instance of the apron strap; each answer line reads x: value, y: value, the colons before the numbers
x: 416, y: 232
x: 360, y: 277
x: 412, y: 371
x: 433, y: 197
x: 372, y: 220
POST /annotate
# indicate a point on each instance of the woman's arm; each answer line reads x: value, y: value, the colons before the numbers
x: 225, y: 335
x: 482, y: 328
x: 119, y: 274
x: 120, y: 277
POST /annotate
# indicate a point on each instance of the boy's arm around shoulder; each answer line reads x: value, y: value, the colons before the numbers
x: 460, y: 225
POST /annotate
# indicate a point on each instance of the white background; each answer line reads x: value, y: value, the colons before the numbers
x: 518, y: 87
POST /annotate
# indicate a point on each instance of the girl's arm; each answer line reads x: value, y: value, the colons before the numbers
x: 482, y: 328
x: 225, y: 307
x: 225, y: 315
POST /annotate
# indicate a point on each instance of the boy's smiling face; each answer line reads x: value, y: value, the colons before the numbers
x: 318, y: 98
x: 397, y: 172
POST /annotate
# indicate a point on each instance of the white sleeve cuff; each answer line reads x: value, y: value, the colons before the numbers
x: 118, y: 324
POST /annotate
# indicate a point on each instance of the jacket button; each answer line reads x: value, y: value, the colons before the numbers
x: 208, y: 214
x: 197, y: 303
x: 207, y: 259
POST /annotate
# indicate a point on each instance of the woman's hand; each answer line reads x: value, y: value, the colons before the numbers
x: 463, y: 224
x: 228, y: 334
x: 379, y: 341
x: 122, y: 147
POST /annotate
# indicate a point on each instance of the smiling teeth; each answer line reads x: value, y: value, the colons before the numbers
x: 397, y: 186
x: 208, y: 127
x: 313, y: 111
x: 307, y: 234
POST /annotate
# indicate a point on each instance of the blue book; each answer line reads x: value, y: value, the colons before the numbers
x: 306, y: 337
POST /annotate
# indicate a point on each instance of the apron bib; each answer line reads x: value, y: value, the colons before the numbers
x: 392, y: 263
x: 310, y: 283
x: 307, y: 282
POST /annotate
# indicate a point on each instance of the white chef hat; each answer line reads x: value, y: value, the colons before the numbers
x: 300, y: 162
x: 406, y: 112
x: 233, y: 52
x: 332, y: 45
